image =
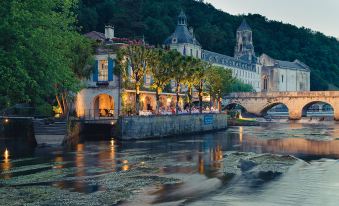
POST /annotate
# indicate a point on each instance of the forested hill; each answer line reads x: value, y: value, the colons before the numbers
x: 215, y: 30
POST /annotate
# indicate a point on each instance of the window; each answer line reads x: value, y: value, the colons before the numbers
x: 197, y: 54
x: 103, y: 70
x: 265, y: 83
x: 282, y: 78
x: 191, y: 52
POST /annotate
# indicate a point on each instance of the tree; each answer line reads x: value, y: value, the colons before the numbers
x: 190, y: 67
x: 177, y: 66
x: 238, y: 86
x: 194, y: 79
x: 218, y: 83
x: 159, y: 66
x: 200, y: 79
x: 39, y: 46
x: 133, y: 61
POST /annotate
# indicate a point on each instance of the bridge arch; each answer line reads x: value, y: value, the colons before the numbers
x: 232, y: 106
x: 318, y: 106
x: 280, y: 107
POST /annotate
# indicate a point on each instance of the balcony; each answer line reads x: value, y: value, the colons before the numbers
x: 102, y: 83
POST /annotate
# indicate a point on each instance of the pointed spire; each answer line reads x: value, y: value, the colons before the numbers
x: 182, y: 19
x: 244, y: 26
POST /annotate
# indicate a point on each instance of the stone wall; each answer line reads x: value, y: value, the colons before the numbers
x: 144, y: 127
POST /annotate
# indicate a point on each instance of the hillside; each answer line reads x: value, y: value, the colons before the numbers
x: 215, y: 30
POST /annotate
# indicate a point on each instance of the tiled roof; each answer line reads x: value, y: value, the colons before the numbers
x: 216, y: 58
x: 292, y: 65
x: 181, y: 35
x: 244, y: 26
x: 95, y: 35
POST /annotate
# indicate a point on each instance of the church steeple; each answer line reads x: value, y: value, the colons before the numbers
x: 182, y: 19
x: 244, y: 26
x: 244, y: 48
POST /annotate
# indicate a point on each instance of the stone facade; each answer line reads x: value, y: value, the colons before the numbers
x: 285, y: 76
x: 264, y: 74
x: 141, y: 127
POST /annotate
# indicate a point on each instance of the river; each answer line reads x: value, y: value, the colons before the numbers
x: 186, y: 170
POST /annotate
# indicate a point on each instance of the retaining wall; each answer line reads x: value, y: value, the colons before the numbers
x: 145, y: 127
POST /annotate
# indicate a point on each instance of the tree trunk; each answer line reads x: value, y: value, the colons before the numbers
x: 219, y: 104
x: 178, y: 98
x: 157, y: 96
x: 59, y: 104
x: 64, y: 103
x: 137, y: 99
x: 211, y: 102
x: 200, y: 97
x: 190, y: 99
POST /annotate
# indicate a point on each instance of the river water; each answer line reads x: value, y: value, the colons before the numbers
x: 177, y: 171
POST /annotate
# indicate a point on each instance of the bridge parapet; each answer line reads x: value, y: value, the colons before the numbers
x: 321, y: 94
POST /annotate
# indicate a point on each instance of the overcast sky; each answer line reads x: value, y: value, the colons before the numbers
x: 319, y: 15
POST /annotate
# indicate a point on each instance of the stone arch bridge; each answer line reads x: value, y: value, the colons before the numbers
x: 259, y: 103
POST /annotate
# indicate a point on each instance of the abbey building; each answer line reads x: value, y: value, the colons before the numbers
x: 264, y: 73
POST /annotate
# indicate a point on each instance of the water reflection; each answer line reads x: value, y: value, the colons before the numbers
x: 199, y: 157
x: 6, y: 165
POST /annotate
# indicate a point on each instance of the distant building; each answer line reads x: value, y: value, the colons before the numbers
x: 264, y: 73
x: 286, y: 76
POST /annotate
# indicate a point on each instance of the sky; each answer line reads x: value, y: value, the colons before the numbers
x: 318, y: 15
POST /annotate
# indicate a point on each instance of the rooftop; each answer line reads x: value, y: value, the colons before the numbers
x: 244, y: 26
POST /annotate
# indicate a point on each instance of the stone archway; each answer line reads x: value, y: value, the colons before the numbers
x: 275, y: 105
x: 103, y: 106
x: 317, y: 106
x: 233, y: 106
x: 147, y: 103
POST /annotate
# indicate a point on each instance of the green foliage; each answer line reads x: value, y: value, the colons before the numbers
x: 41, y: 52
x: 219, y: 81
x: 238, y: 86
x: 215, y: 30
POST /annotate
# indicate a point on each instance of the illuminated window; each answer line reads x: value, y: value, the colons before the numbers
x: 103, y: 70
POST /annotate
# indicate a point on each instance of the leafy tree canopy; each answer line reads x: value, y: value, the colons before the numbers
x: 41, y: 53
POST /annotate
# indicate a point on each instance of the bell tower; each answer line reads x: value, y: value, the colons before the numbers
x: 182, y: 19
x: 244, y: 48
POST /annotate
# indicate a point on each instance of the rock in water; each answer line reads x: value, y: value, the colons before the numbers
x: 262, y: 166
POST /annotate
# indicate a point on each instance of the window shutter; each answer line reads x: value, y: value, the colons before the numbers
x: 110, y: 69
x: 95, y: 71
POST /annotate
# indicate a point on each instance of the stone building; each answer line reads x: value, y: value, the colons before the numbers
x: 264, y: 73
x: 284, y: 76
x: 102, y: 95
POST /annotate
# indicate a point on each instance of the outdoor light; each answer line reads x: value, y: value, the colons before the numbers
x: 169, y: 100
x: 6, y: 154
x: 6, y: 120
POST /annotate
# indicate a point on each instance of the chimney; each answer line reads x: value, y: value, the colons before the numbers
x: 109, y: 32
